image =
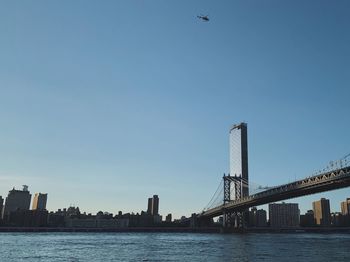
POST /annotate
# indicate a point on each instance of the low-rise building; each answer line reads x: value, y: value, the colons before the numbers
x: 307, y: 220
x: 28, y: 218
x: 257, y: 218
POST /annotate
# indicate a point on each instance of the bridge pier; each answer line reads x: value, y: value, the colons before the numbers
x: 227, y: 219
x: 236, y: 220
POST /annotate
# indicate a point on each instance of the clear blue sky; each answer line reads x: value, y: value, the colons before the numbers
x: 105, y: 103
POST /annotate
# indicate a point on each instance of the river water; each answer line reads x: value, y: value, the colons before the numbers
x: 173, y: 247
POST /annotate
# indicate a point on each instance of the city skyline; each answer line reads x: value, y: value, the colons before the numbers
x: 39, y: 202
x: 121, y: 100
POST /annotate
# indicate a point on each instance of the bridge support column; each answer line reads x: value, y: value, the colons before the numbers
x: 240, y: 220
x: 227, y: 219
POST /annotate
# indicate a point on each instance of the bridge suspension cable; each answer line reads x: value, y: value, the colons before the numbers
x: 217, y: 198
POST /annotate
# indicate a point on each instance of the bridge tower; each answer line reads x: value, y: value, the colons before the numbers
x: 232, y: 184
x: 237, y: 181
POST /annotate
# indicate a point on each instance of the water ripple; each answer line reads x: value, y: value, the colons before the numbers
x: 172, y: 247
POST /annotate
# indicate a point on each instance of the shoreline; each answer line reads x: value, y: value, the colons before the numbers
x: 110, y: 230
x: 307, y: 230
x: 208, y: 230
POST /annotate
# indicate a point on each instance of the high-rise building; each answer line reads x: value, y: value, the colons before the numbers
x: 239, y: 154
x: 39, y: 201
x: 239, y: 165
x: 155, y: 205
x: 257, y: 218
x: 1, y: 206
x: 322, y: 213
x: 345, y: 207
x: 149, y: 207
x: 17, y: 200
x: 284, y: 215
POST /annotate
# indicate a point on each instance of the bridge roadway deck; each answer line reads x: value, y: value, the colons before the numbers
x: 338, y: 178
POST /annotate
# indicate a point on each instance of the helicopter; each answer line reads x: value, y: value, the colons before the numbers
x: 205, y: 18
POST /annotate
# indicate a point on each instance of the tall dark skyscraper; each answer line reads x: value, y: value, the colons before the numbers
x: 39, y: 201
x: 153, y: 205
x: 149, y: 207
x: 1, y: 206
x: 17, y: 199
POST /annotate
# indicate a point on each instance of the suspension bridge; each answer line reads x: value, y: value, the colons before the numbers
x: 235, y: 195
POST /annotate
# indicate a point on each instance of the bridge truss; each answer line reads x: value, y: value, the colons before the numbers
x: 325, y: 181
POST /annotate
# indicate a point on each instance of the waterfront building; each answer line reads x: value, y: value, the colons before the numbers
x: 307, y: 220
x: 95, y: 222
x: 338, y: 220
x: 56, y: 219
x: 104, y: 215
x: 284, y: 215
x: 322, y: 213
x: 28, y: 218
x: 139, y: 220
x: 17, y: 200
x: 157, y: 219
x: 257, y: 218
x: 168, y: 218
x: 261, y: 220
x: 345, y: 210
x: 39, y: 201
x: 345, y: 207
